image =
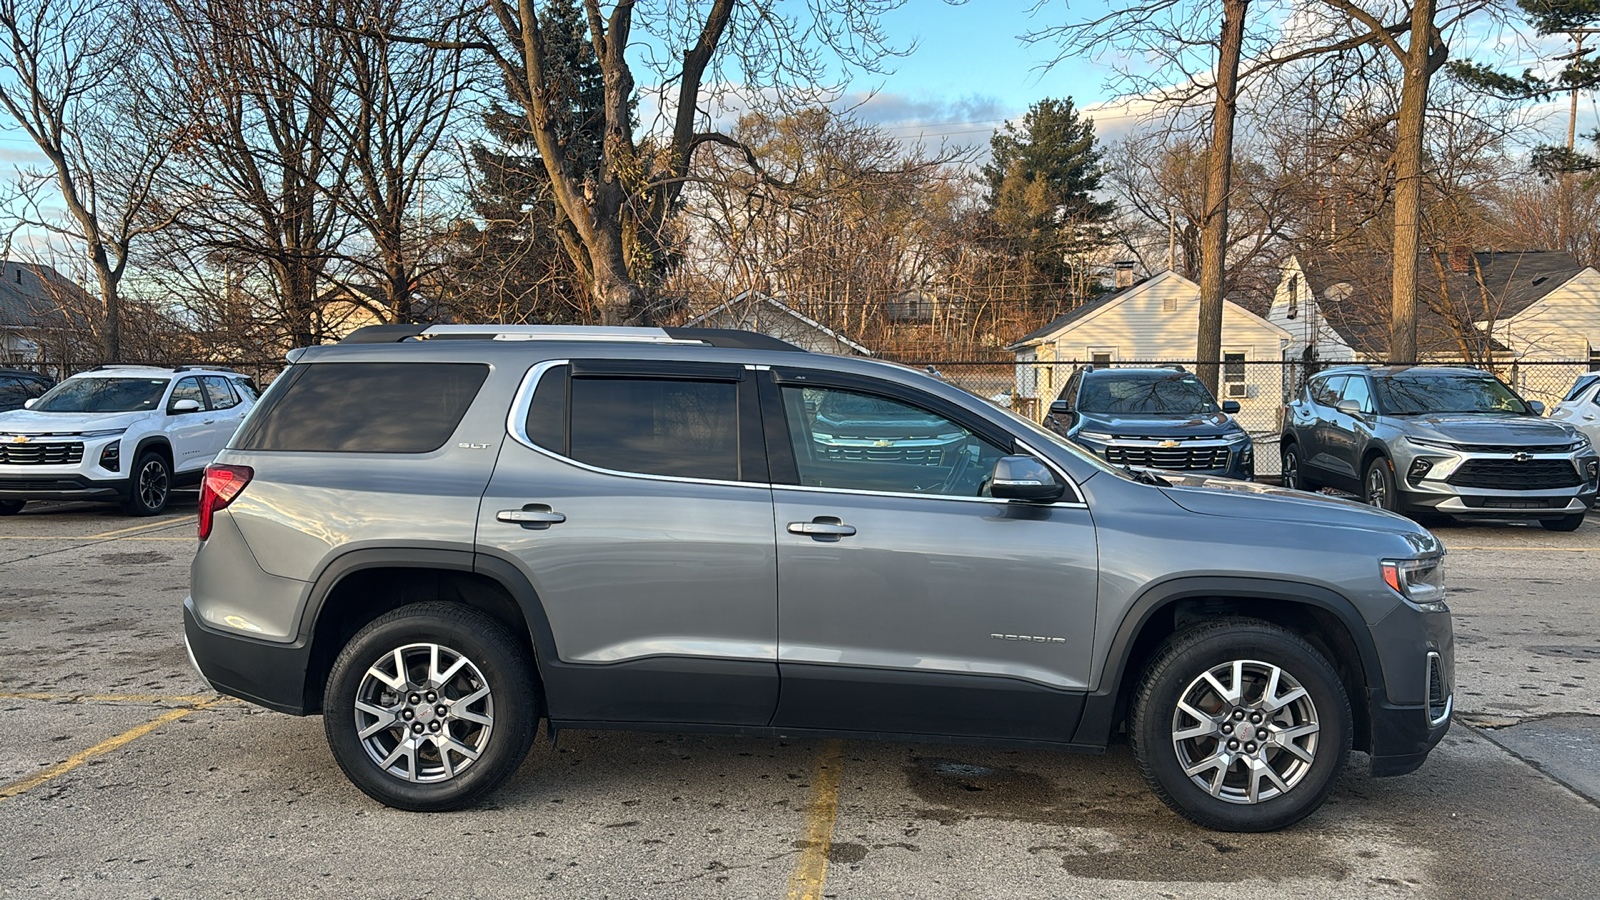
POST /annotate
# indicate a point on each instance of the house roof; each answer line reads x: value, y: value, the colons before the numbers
x: 1510, y: 282
x: 33, y: 295
x: 1076, y: 313
x: 1110, y: 298
x: 742, y: 308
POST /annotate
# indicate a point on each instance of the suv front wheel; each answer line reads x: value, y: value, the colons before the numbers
x: 1240, y: 725
x: 430, y: 707
x: 150, y: 487
x: 1378, y: 485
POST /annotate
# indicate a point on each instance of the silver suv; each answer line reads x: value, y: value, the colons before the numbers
x: 1427, y: 441
x: 437, y: 537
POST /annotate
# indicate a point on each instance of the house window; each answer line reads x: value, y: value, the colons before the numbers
x: 1101, y: 359
x: 1594, y: 360
x: 1294, y: 296
x: 1233, y: 377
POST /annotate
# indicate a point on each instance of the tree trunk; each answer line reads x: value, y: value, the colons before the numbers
x: 1214, y: 233
x: 1408, y: 185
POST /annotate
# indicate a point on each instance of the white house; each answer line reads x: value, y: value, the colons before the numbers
x: 1537, y: 306
x: 1154, y: 321
x: 758, y: 312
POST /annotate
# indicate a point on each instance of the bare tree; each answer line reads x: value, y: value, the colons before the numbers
x: 704, y: 46
x: 71, y: 80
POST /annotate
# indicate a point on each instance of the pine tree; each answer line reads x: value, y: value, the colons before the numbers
x: 1041, y: 179
x: 513, y: 264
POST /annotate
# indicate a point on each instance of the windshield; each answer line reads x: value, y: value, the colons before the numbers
x: 1447, y: 394
x: 103, y: 395
x: 1177, y: 394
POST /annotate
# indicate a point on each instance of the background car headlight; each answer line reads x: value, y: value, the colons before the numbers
x: 1419, y: 581
x: 1423, y: 442
x: 1096, y: 436
x: 104, y: 432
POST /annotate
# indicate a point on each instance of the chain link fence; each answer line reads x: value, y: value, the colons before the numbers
x: 1261, y: 388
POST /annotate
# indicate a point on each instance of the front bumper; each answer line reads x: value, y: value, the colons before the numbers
x: 1527, y: 484
x: 42, y: 486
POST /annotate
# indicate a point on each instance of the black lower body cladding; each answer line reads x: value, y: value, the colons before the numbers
x: 263, y: 672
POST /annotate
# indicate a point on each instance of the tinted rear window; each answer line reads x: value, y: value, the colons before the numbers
x: 689, y: 429
x: 368, y: 408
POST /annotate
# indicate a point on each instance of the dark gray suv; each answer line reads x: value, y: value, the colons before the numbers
x: 438, y: 537
x: 1437, y: 441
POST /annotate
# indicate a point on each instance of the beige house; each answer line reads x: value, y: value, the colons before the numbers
x: 758, y: 312
x: 1153, y: 321
x: 1524, y: 310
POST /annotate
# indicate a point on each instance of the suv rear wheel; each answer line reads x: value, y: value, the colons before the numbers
x: 1294, y: 473
x: 430, y: 707
x: 1240, y: 725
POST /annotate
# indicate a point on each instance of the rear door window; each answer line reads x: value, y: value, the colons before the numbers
x: 366, y: 408
x: 676, y: 427
x: 219, y: 392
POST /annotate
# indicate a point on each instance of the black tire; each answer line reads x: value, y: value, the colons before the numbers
x: 1565, y: 523
x: 11, y: 507
x: 149, y: 485
x: 1178, y: 674
x: 498, y: 726
x: 1294, y: 470
x: 1377, y: 485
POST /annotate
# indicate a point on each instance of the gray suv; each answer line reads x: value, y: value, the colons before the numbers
x: 437, y: 537
x: 1437, y: 441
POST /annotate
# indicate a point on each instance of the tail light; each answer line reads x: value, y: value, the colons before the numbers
x: 222, y: 484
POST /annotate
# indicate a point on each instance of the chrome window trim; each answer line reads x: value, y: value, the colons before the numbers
x: 517, y: 422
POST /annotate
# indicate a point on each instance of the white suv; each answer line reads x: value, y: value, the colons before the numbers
x: 123, y: 433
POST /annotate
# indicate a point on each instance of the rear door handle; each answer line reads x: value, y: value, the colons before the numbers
x: 823, y: 528
x: 533, y: 515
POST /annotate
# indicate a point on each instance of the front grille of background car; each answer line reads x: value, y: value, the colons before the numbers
x: 40, y: 453
x: 1516, y: 502
x: 1511, y: 475
x: 1175, y: 458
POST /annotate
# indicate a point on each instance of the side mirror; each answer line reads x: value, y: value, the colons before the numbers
x: 185, y: 406
x: 1024, y: 478
x: 1060, y: 408
x: 1349, y: 407
x: 1230, y: 406
x: 28, y: 403
x: 1537, y: 407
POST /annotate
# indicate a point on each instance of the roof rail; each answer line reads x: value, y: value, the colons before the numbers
x: 715, y: 337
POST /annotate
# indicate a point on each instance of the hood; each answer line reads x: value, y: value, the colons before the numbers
x: 1482, y: 428
x: 26, y: 421
x: 1123, y: 425
x: 1211, y: 496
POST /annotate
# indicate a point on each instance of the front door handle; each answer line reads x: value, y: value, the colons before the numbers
x: 532, y: 515
x: 823, y: 528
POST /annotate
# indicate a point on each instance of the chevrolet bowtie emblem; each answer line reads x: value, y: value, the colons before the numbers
x: 1522, y: 457
x: 20, y: 439
x: 1167, y: 444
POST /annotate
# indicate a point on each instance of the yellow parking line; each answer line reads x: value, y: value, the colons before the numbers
x: 811, y: 872
x: 145, y: 527
x: 191, y: 699
x: 1535, y: 549
x: 100, y: 749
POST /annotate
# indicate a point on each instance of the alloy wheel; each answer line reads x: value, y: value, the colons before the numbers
x: 424, y: 712
x: 1246, y: 731
x: 153, y: 484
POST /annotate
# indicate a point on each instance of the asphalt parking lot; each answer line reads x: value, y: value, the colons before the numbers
x: 121, y: 777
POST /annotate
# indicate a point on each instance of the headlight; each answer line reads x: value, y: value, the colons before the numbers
x: 1437, y: 445
x: 1236, y: 437
x: 104, y: 432
x: 1096, y: 436
x: 1419, y: 581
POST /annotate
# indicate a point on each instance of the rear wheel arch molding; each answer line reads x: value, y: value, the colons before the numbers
x: 521, y: 611
x: 1105, y: 704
